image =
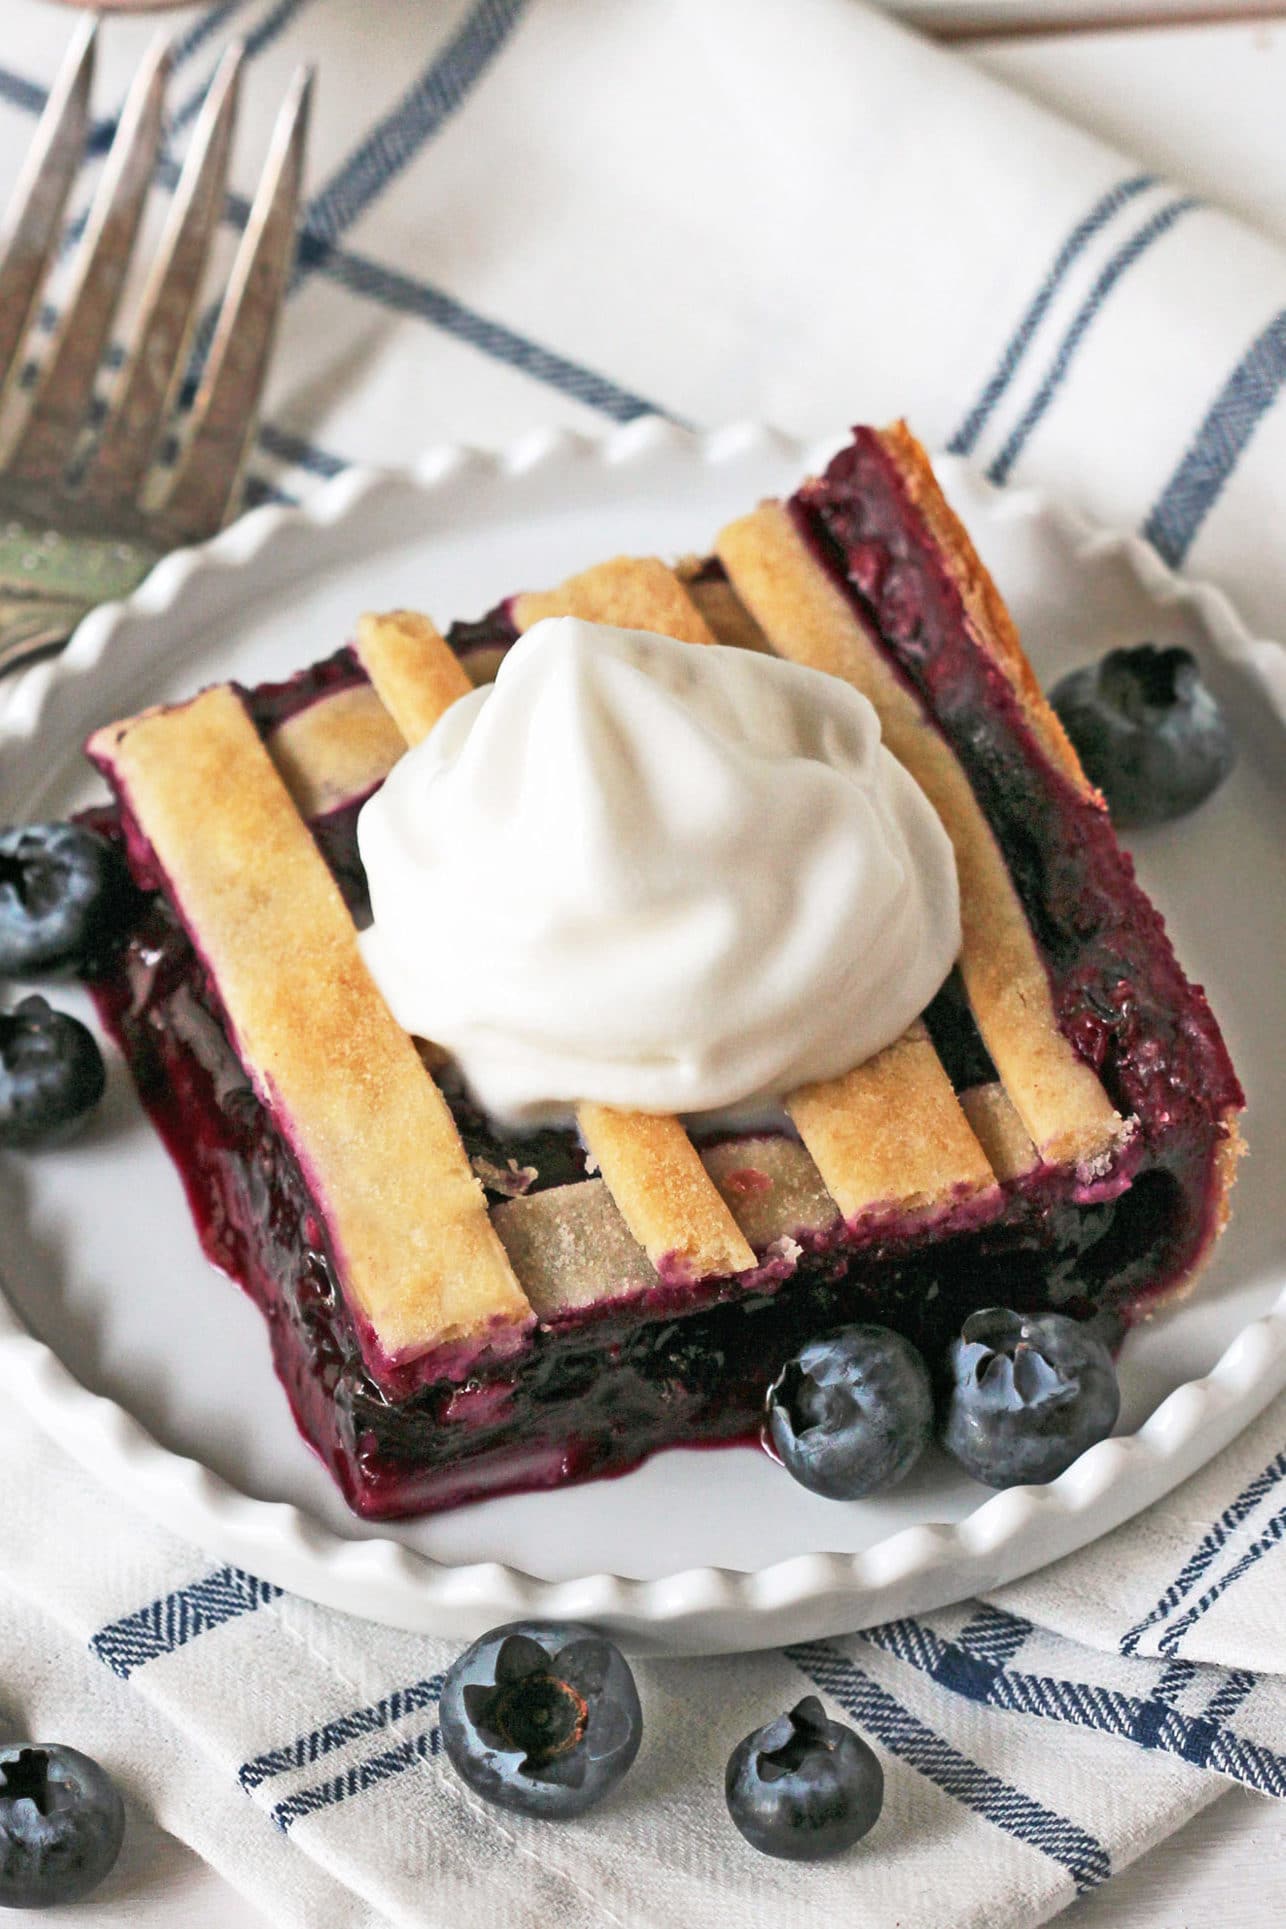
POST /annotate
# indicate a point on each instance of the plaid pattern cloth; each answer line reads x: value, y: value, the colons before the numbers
x: 525, y: 211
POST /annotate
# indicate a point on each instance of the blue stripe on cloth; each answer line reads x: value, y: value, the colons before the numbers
x: 420, y: 299
x: 1272, y: 1536
x: 341, y: 1730
x: 965, y: 439
x: 258, y: 490
x: 356, y: 1780
x: 1228, y: 1697
x: 1173, y: 1679
x: 1149, y: 1721
x: 17, y: 91
x: 1230, y: 1519
x: 178, y: 1618
x: 211, y: 22
x: 260, y: 36
x: 1233, y: 416
x: 300, y: 453
x: 1124, y: 259
x: 1081, y: 1854
x: 994, y: 1634
x: 441, y: 89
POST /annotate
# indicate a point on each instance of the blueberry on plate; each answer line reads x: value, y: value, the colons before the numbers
x: 851, y: 1413
x: 61, y: 1826
x: 51, y: 1073
x: 64, y: 896
x: 1029, y: 1393
x: 1148, y: 732
x: 542, y: 1717
x: 804, y: 1787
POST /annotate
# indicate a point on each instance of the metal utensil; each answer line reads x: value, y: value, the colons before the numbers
x: 80, y: 522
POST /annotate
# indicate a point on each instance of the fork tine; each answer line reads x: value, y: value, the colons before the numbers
x: 67, y: 384
x: 164, y: 331
x: 227, y: 408
x: 35, y: 212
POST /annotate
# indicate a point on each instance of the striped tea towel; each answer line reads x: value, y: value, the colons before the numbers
x: 526, y: 211
x: 1031, y: 1744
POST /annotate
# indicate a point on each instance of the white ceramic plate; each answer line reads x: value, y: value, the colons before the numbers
x: 154, y: 1371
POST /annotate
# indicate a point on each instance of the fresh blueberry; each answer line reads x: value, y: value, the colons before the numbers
x: 64, y: 896
x: 1029, y: 1392
x: 851, y: 1413
x: 1148, y: 732
x: 61, y: 1826
x: 51, y: 1073
x: 542, y: 1717
x: 804, y: 1787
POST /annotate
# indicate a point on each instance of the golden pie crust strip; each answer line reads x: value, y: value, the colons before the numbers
x: 416, y: 673
x: 891, y: 1131
x: 808, y: 618
x: 337, y: 749
x: 663, y: 1192
x: 634, y: 592
x: 651, y: 1167
x: 999, y: 1131
x: 419, y: 1258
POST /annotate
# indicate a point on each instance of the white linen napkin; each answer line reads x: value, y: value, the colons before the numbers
x: 525, y: 211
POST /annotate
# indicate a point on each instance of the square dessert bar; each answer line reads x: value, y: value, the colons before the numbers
x: 456, y: 1309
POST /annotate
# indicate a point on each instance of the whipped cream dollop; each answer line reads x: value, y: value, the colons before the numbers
x: 665, y: 876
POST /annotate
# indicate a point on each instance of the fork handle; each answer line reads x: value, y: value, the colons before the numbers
x: 31, y: 628
x: 50, y: 579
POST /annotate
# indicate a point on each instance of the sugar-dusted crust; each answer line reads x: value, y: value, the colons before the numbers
x: 419, y: 1260
x: 337, y: 749
x: 665, y: 1195
x: 634, y: 592
x: 726, y: 616
x: 572, y: 1249
x: 416, y: 674
x: 772, y: 1188
x: 891, y: 1134
x: 999, y: 1131
x: 808, y: 618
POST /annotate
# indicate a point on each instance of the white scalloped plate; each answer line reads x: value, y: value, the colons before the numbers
x: 154, y: 1372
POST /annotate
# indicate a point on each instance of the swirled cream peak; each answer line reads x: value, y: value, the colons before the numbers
x: 668, y: 877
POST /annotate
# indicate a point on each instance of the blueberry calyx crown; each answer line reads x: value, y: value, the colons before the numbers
x: 542, y: 1718
x: 535, y: 1707
x: 786, y: 1743
x: 1029, y: 1393
x: 26, y: 1779
x: 1002, y: 1351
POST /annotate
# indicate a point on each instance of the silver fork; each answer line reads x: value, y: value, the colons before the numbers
x: 80, y: 525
